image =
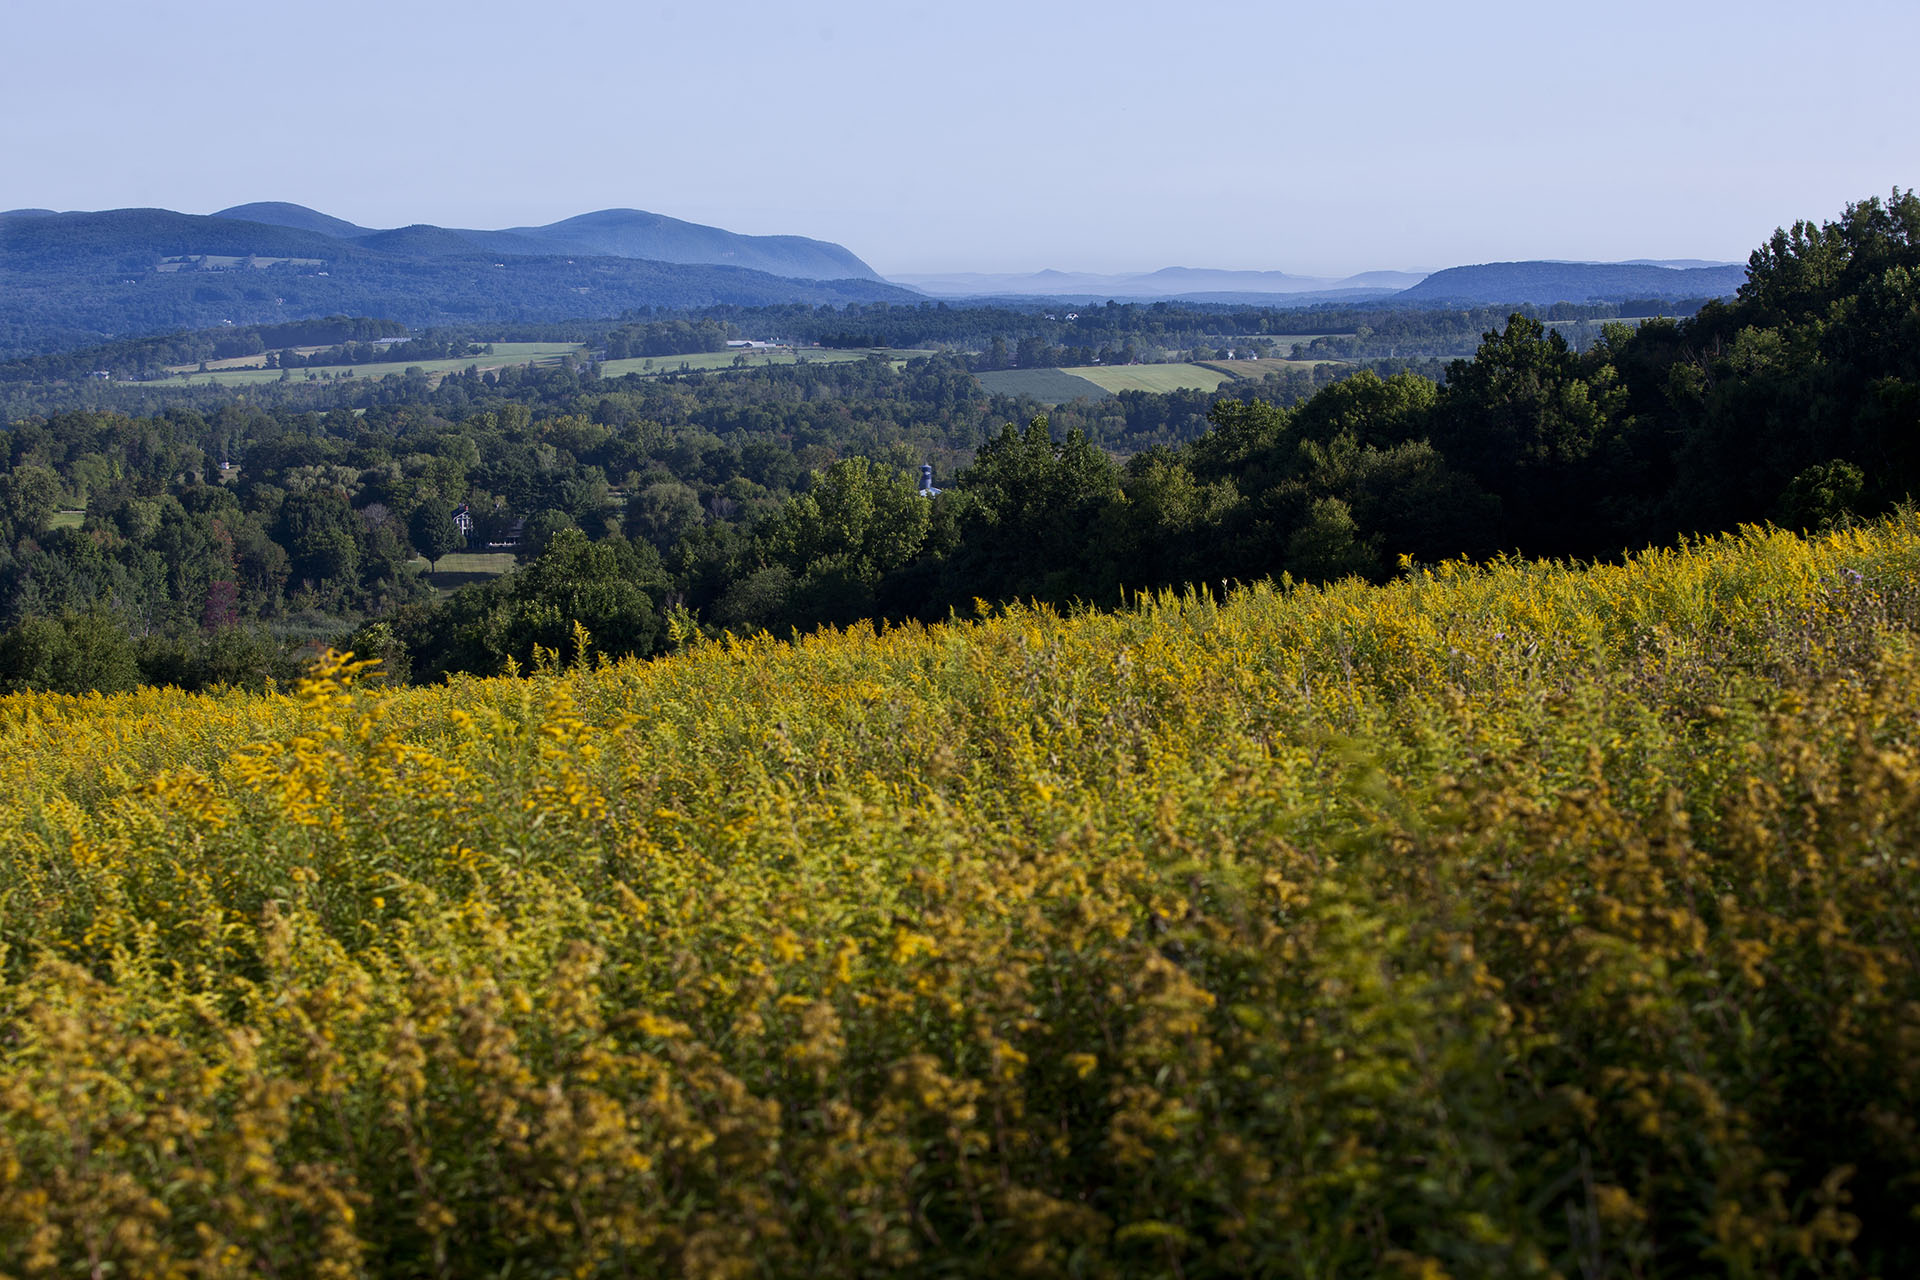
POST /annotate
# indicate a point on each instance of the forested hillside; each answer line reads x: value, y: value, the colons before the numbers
x: 616, y: 233
x: 72, y: 278
x: 1545, y: 283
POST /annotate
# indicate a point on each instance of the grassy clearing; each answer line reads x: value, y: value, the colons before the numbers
x: 236, y: 362
x: 459, y: 569
x: 1284, y: 342
x: 492, y: 563
x: 707, y: 361
x: 505, y: 355
x: 68, y: 519
x: 245, y: 371
x: 1254, y: 370
x: 1048, y: 386
x: 1151, y: 377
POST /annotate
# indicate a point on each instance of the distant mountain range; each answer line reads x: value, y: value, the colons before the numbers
x: 70, y: 278
x: 1545, y: 283
x: 1541, y: 283
x: 610, y: 233
x: 1168, y: 283
x: 76, y: 276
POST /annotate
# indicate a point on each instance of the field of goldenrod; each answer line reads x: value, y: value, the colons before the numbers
x: 1519, y: 920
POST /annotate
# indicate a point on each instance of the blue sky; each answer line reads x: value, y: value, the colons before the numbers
x: 1317, y: 138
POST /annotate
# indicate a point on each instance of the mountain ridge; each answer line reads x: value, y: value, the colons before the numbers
x: 281, y: 213
x: 1544, y: 283
x: 129, y: 272
x: 1539, y: 282
x: 1168, y: 283
x: 610, y: 233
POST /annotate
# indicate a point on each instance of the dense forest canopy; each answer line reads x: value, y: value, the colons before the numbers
x: 786, y: 497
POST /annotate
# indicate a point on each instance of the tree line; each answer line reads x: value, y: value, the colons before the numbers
x: 785, y: 498
x: 1799, y: 402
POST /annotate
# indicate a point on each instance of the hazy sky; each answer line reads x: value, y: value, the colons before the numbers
x: 1320, y: 138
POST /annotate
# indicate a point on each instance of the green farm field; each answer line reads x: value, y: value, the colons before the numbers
x: 1254, y: 370
x: 710, y: 360
x: 505, y: 354
x: 463, y: 568
x: 1048, y: 386
x: 1151, y: 377
x: 1097, y: 382
x: 1284, y: 342
x: 237, y: 362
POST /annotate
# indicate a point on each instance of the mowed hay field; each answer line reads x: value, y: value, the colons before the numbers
x: 1517, y: 920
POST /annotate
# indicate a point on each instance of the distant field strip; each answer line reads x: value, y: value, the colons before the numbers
x: 243, y: 371
x: 1058, y: 386
x: 1254, y: 370
x: 488, y: 562
x: 255, y: 361
x: 1284, y: 342
x: 464, y: 568
x: 1048, y: 386
x: 1151, y: 377
x: 504, y: 355
x: 710, y: 360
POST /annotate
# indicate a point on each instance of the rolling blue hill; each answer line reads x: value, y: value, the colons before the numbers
x: 1545, y: 283
x: 72, y: 278
x: 608, y: 233
x: 634, y: 233
x: 132, y: 240
x: 278, y: 213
